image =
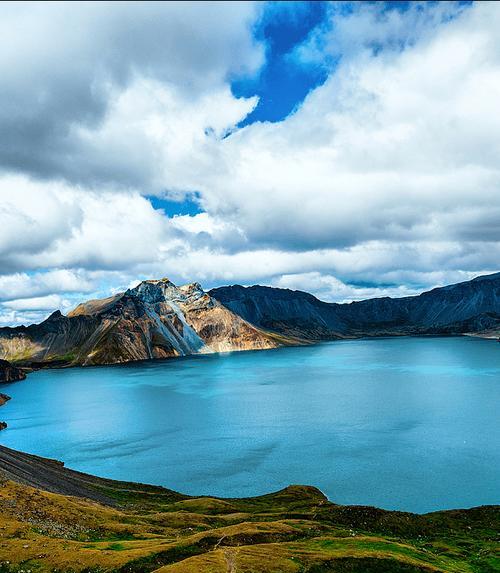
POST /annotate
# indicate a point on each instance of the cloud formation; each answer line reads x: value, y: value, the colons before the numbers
x: 383, y: 181
x: 65, y: 67
x: 398, y: 146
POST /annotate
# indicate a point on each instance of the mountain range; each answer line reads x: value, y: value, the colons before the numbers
x: 157, y: 319
x: 471, y: 307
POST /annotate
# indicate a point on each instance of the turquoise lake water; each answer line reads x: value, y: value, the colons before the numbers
x: 400, y: 423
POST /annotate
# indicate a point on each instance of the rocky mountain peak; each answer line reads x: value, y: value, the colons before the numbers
x: 164, y: 290
x: 191, y: 287
x: 55, y: 315
x: 154, y: 291
x: 193, y: 291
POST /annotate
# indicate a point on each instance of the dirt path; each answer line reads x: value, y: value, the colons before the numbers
x: 230, y: 557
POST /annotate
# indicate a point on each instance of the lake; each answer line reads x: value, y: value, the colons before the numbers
x: 400, y: 423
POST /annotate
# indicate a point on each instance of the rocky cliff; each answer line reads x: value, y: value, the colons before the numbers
x: 154, y: 320
x: 9, y: 373
x: 468, y: 307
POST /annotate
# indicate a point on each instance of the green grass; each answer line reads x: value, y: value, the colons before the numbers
x: 295, y: 530
x: 115, y: 547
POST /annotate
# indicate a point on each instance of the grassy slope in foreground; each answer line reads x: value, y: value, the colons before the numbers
x: 55, y: 519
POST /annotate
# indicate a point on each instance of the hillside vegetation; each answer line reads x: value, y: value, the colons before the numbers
x: 73, y: 522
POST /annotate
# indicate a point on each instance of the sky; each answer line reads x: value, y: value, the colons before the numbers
x: 346, y: 149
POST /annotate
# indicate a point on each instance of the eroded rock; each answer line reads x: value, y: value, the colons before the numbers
x: 10, y: 373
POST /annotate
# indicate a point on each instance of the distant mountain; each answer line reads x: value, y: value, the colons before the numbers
x: 467, y: 307
x: 154, y: 320
x: 157, y: 319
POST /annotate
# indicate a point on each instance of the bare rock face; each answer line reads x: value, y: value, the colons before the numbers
x: 156, y: 319
x: 9, y: 373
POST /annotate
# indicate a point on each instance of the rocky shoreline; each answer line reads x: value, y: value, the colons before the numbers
x: 8, y: 373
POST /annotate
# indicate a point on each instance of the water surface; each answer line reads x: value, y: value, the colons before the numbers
x: 400, y: 423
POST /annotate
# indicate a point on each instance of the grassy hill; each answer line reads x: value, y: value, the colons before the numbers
x: 75, y: 522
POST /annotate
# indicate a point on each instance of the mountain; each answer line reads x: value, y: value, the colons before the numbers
x: 156, y: 319
x: 467, y: 307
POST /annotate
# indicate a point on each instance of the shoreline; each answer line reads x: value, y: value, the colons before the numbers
x: 56, y: 519
x: 4, y: 398
x: 52, y: 475
x: 58, y: 365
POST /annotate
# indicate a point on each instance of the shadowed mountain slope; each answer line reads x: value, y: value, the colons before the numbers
x: 467, y: 307
x: 9, y: 373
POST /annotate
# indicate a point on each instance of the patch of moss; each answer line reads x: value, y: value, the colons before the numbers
x: 115, y: 547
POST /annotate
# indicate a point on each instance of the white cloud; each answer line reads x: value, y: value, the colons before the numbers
x: 32, y: 218
x: 35, y: 309
x: 22, y: 285
x: 330, y: 289
x: 386, y: 174
x: 48, y: 302
x: 47, y: 225
x: 63, y: 65
x: 151, y: 132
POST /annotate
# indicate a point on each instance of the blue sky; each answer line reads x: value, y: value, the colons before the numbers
x: 346, y: 149
x: 284, y: 80
x: 282, y: 83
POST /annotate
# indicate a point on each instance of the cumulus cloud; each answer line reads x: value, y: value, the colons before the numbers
x: 394, y: 159
x: 331, y: 289
x: 396, y: 146
x: 35, y: 309
x: 383, y: 181
x: 63, y: 65
x: 32, y: 219
x: 55, y: 225
x: 23, y: 285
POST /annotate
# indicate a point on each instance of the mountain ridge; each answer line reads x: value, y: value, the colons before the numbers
x: 466, y: 307
x: 157, y: 319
